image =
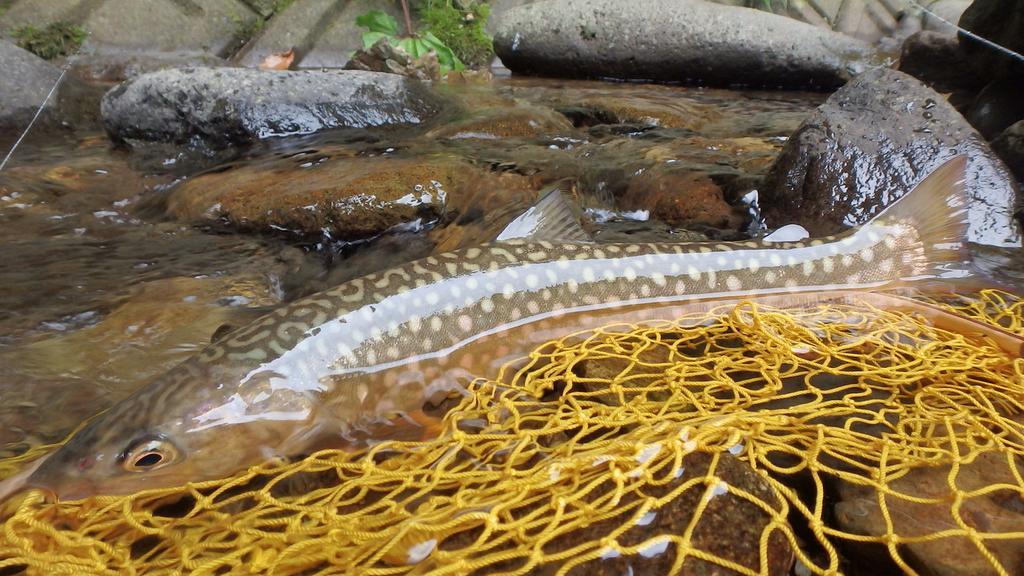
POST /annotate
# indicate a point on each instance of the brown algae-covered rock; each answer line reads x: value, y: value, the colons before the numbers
x: 344, y: 198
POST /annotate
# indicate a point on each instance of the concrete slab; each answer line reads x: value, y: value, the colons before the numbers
x: 198, y: 26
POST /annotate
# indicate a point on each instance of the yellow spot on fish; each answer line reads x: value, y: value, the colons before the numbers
x: 827, y: 265
x: 733, y: 283
x: 487, y: 305
x: 693, y: 273
x: 808, y: 267
x: 867, y: 254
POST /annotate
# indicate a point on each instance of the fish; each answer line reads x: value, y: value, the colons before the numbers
x: 364, y: 361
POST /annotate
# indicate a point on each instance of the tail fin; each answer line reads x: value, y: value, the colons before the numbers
x: 937, y: 210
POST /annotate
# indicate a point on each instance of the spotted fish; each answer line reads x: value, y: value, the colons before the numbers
x: 358, y: 363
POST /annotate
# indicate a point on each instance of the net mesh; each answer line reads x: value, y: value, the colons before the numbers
x: 838, y: 437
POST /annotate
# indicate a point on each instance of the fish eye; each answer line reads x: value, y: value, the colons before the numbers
x: 148, y: 454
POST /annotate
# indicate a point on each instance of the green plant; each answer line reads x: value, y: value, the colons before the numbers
x: 56, y: 39
x: 462, y: 30
x: 380, y: 25
x: 769, y: 5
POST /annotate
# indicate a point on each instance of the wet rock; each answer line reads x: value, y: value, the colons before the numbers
x: 27, y: 80
x: 341, y: 198
x: 999, y: 21
x: 935, y: 59
x: 679, y: 198
x: 672, y: 40
x: 868, y: 145
x: 998, y: 105
x: 506, y: 122
x: 229, y: 106
x: 1010, y: 147
x: 993, y: 512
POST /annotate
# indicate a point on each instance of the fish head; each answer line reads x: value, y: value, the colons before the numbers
x: 159, y: 439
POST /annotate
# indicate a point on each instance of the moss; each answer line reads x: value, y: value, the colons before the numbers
x: 57, y: 39
x: 461, y: 30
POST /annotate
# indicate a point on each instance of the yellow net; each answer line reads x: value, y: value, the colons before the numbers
x: 746, y: 440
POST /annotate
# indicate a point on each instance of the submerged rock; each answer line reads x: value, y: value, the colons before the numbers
x: 341, y: 198
x: 679, y: 198
x: 674, y: 40
x: 869, y: 144
x: 506, y: 122
x: 227, y: 106
x: 990, y: 510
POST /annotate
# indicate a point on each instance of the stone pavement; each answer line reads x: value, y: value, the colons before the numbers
x: 323, y: 32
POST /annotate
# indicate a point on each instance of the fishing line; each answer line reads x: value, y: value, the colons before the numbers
x: 39, y: 110
x: 968, y: 33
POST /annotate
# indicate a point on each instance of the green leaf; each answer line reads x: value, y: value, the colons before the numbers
x: 378, y: 21
x: 445, y: 57
x: 371, y: 38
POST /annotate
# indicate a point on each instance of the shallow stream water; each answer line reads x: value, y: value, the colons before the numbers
x: 103, y: 287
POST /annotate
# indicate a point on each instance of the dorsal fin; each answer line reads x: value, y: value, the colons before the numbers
x: 554, y: 217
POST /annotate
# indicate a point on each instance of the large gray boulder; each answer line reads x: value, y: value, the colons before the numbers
x: 229, y: 106
x: 27, y: 80
x: 674, y: 40
x: 869, y: 144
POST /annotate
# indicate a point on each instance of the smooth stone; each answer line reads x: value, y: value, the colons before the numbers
x: 682, y: 41
x: 869, y: 144
x: 219, y: 107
